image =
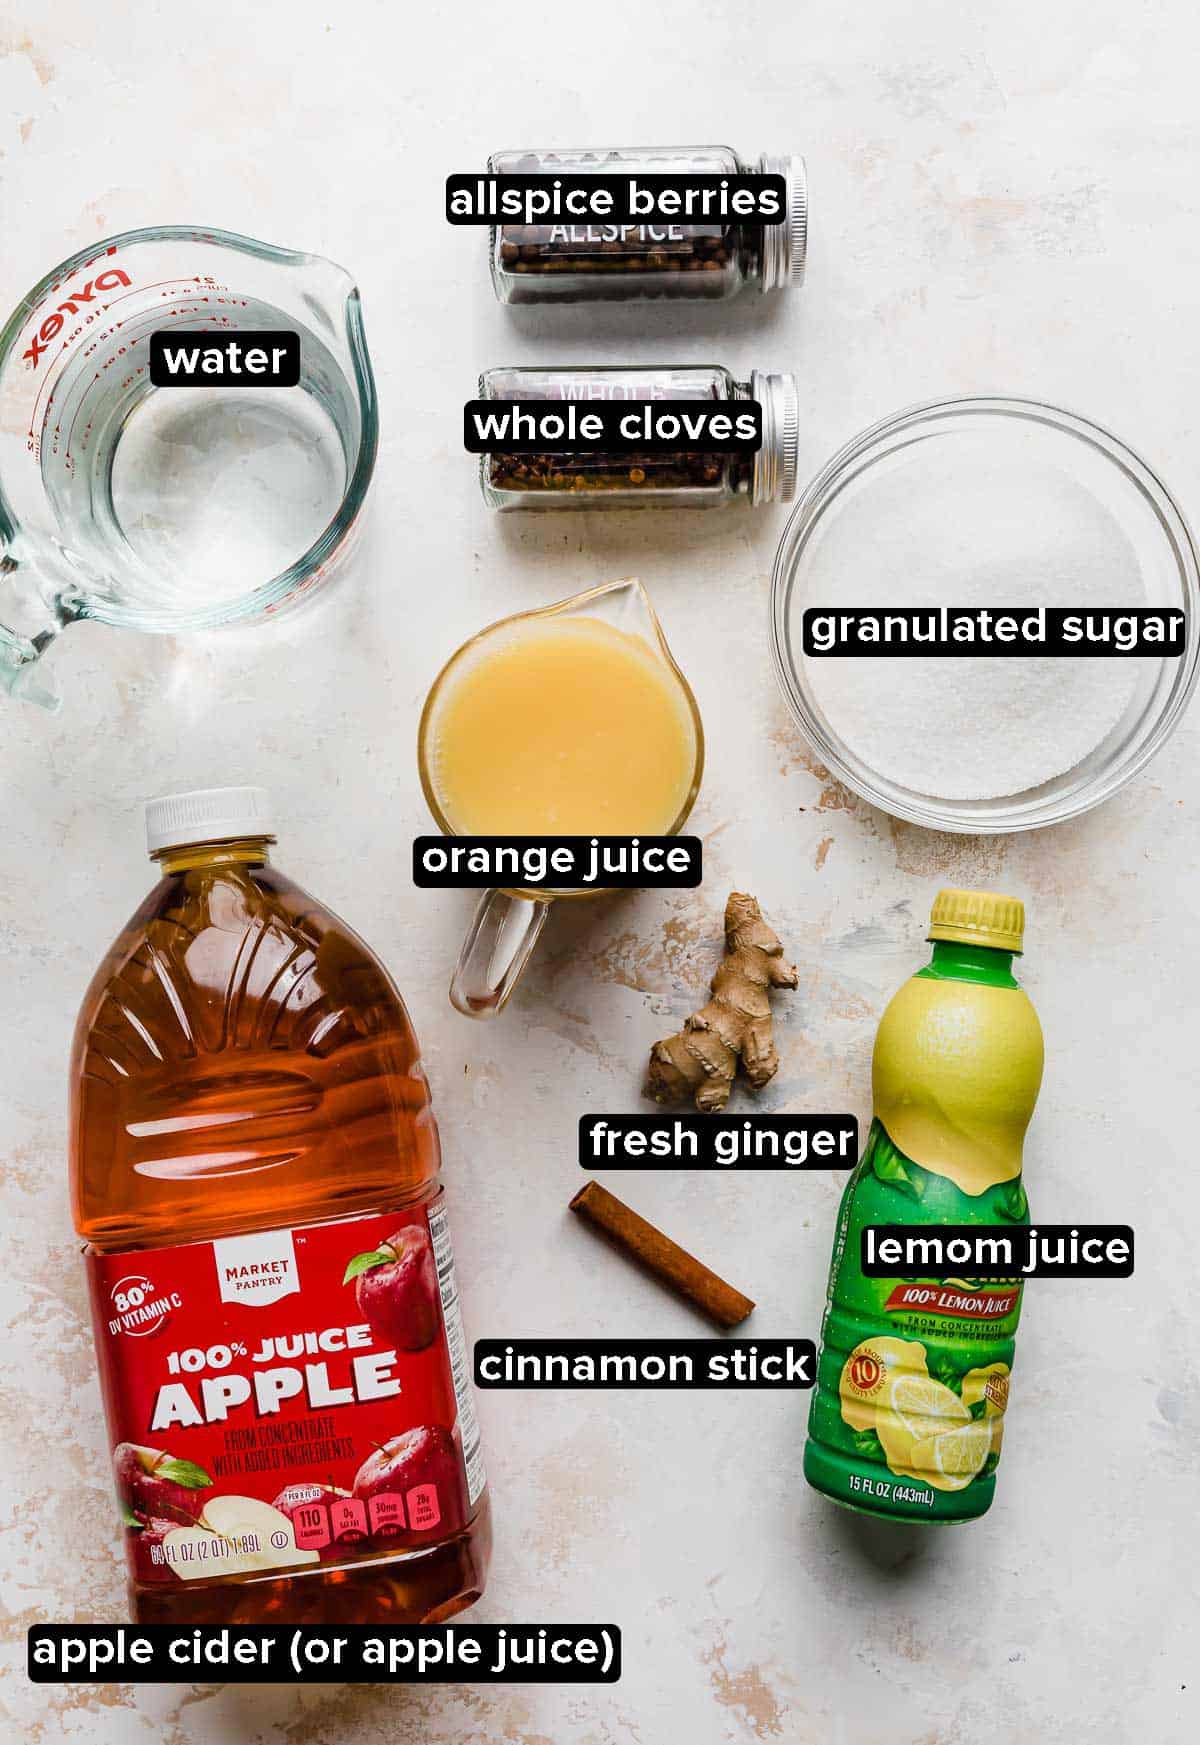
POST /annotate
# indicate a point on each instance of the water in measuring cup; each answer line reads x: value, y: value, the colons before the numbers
x: 185, y: 500
x: 219, y: 491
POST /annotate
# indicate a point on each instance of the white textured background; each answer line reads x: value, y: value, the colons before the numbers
x: 1004, y: 198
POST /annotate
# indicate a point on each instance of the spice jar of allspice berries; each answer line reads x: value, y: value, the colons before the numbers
x: 584, y: 262
x: 657, y: 478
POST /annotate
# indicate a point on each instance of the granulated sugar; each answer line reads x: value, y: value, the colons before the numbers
x: 970, y: 532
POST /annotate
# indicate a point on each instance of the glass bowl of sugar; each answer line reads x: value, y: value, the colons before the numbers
x: 973, y: 503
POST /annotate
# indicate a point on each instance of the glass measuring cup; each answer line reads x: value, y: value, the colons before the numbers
x: 184, y: 508
x: 508, y: 923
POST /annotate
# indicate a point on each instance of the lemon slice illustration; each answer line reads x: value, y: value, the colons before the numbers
x: 917, y: 1409
x: 950, y: 1461
x: 924, y: 1406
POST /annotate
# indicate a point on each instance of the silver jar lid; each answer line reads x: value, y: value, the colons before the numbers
x: 773, y: 479
x: 785, y: 245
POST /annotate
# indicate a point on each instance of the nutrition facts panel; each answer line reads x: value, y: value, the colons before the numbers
x: 456, y: 1343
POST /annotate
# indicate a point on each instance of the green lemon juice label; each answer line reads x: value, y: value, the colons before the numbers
x: 907, y: 1416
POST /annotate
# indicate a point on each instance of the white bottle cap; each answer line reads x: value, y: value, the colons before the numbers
x: 207, y: 815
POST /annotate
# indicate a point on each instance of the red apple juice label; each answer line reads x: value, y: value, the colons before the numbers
x: 288, y: 1397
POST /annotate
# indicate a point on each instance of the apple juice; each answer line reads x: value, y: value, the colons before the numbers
x: 254, y: 1168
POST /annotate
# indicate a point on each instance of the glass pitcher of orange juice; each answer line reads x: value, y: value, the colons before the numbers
x: 571, y: 720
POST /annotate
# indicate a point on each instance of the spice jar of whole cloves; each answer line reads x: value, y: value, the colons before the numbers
x: 585, y: 262
x: 683, y: 478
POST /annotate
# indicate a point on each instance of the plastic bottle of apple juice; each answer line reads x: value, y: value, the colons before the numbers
x: 255, y: 1171
x: 908, y: 1412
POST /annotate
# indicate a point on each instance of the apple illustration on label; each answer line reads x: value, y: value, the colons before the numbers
x: 151, y: 1482
x: 397, y: 1289
x: 421, y: 1468
x: 238, y: 1536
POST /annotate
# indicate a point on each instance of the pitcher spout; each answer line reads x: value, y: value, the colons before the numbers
x: 624, y: 604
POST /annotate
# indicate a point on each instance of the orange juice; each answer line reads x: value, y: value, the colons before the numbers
x: 562, y: 726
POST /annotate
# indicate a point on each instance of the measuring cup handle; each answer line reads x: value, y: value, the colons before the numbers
x: 21, y: 649
x: 498, y: 945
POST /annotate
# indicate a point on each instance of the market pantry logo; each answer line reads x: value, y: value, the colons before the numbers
x: 256, y: 1269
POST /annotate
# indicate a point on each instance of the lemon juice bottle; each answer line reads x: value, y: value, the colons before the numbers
x: 908, y: 1412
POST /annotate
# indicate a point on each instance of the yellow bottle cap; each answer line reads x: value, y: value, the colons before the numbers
x: 978, y: 918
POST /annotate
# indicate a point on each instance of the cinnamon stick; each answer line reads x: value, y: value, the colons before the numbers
x: 676, y: 1268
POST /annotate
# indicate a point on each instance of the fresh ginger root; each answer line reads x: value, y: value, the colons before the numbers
x: 701, y: 1059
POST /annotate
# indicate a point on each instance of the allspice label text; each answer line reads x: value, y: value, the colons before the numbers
x: 616, y: 201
